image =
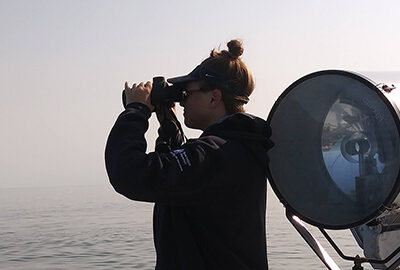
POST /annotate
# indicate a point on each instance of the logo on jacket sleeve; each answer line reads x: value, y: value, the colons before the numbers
x: 181, y: 158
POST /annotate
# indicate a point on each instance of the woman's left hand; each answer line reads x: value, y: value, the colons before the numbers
x: 139, y: 93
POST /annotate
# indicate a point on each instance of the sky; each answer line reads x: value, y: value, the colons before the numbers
x: 64, y: 63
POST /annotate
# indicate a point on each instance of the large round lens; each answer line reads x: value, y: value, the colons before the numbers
x: 336, y: 157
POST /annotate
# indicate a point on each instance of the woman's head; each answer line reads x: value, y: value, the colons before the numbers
x: 232, y: 74
x: 224, y: 79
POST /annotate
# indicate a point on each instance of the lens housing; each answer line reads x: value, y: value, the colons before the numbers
x: 336, y: 157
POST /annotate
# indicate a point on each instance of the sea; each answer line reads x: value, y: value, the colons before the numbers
x: 93, y: 227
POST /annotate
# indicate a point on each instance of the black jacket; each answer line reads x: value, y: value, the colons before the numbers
x: 210, y: 193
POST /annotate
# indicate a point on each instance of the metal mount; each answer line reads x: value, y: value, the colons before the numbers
x: 324, y: 256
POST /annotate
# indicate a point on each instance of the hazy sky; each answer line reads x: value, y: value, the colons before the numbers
x: 63, y: 65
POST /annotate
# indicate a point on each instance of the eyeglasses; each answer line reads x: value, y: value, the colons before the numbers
x: 187, y: 93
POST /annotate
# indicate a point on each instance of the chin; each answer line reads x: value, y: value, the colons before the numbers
x: 192, y: 125
x: 188, y: 124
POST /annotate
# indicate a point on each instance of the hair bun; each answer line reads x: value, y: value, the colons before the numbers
x: 235, y: 48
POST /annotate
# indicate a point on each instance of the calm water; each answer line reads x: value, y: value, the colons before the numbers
x: 95, y: 228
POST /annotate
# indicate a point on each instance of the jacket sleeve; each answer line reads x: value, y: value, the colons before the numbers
x: 169, y: 137
x: 178, y: 176
x: 169, y: 134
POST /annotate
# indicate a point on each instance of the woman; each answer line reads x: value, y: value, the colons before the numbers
x: 209, y: 193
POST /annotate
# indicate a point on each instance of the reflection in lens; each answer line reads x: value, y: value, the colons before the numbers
x: 349, y: 149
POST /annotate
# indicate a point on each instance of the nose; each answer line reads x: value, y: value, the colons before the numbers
x: 184, y: 97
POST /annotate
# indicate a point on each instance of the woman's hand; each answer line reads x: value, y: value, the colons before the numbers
x: 139, y: 93
x: 164, y: 112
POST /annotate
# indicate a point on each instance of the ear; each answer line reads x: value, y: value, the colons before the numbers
x: 215, y: 97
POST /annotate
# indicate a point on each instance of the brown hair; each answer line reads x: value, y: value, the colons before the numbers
x: 228, y: 64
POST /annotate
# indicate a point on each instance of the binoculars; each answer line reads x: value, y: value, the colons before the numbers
x: 162, y: 93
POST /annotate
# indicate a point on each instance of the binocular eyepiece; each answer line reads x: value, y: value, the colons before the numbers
x: 162, y: 93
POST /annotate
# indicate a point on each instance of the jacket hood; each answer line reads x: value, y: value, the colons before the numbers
x: 253, y: 132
